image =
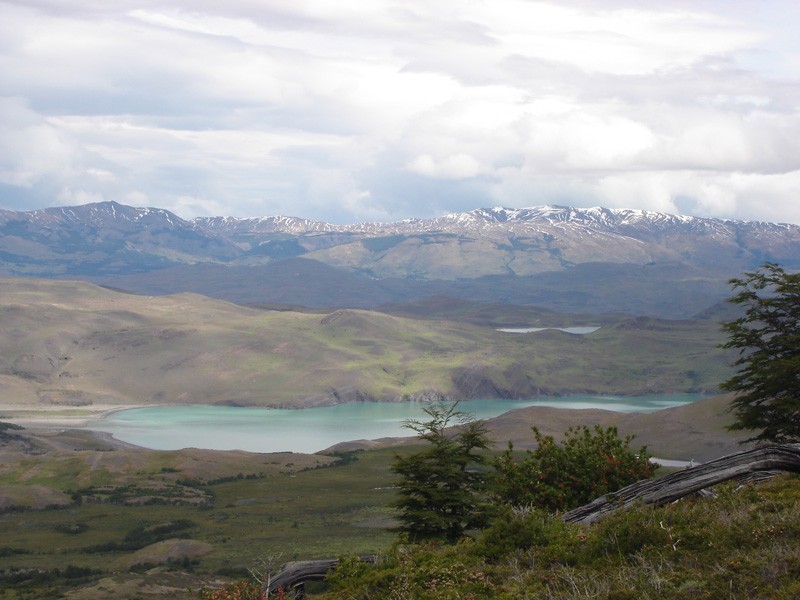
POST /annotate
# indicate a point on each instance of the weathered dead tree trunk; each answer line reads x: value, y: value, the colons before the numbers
x: 294, y: 575
x: 657, y: 492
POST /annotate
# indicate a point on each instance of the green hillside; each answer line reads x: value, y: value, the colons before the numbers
x: 74, y: 344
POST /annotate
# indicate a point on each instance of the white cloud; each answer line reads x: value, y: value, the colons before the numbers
x: 629, y: 41
x: 585, y: 138
x: 359, y: 110
x: 455, y: 166
x: 31, y: 148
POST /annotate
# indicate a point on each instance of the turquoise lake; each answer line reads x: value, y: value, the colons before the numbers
x: 313, y: 429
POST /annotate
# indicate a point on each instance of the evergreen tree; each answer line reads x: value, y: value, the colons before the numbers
x: 442, y: 487
x: 767, y: 337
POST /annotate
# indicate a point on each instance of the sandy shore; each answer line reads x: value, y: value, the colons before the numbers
x: 60, y: 417
x: 50, y: 420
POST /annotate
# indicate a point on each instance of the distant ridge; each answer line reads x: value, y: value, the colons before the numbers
x: 558, y: 257
x: 509, y: 219
x: 598, y: 218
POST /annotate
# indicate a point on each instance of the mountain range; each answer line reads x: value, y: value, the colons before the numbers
x: 567, y: 259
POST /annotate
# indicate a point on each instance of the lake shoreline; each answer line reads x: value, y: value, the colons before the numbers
x: 309, y: 431
x: 63, y: 417
x: 78, y: 416
x: 262, y: 430
x: 664, y: 431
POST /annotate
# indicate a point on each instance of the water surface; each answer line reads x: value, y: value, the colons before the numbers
x: 314, y: 429
x: 573, y: 330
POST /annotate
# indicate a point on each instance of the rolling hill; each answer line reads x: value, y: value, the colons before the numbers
x: 66, y: 343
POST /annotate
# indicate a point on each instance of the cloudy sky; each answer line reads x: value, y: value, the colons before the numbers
x: 363, y: 110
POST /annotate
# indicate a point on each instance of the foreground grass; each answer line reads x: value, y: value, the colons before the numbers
x: 745, y: 543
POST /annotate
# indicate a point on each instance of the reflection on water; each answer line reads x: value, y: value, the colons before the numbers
x: 314, y: 429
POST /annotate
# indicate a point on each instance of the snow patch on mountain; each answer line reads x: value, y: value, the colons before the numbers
x: 520, y: 221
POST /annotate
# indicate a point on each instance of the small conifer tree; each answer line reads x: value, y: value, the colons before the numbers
x: 442, y: 488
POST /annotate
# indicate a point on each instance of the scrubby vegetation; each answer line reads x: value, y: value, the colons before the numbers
x: 587, y: 464
x: 745, y: 539
x: 284, y: 504
x: 445, y: 489
x: 745, y: 543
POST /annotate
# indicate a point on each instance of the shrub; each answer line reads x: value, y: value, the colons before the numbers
x: 558, y: 477
x: 627, y: 532
x: 742, y: 544
x: 241, y: 590
x: 516, y: 531
x: 428, y: 571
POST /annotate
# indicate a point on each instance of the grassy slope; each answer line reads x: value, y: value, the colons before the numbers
x: 241, y: 509
x: 741, y: 544
x: 67, y: 343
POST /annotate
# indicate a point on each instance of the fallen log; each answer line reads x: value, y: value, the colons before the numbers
x: 294, y: 575
x: 671, y: 487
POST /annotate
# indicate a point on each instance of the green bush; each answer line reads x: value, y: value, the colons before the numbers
x: 691, y: 549
x: 241, y: 590
x: 630, y: 531
x: 515, y: 531
x: 557, y: 477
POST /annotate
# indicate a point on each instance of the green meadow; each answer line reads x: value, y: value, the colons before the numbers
x: 213, y: 515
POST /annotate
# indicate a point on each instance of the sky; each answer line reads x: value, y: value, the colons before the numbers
x: 379, y: 110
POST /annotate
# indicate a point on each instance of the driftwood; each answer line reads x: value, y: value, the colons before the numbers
x: 657, y: 492
x: 294, y: 575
